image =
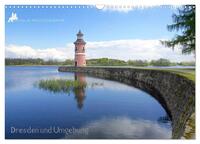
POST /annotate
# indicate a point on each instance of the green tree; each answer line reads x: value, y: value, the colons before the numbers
x: 68, y: 62
x: 184, y: 21
x: 106, y: 62
x: 138, y: 62
x: 160, y: 62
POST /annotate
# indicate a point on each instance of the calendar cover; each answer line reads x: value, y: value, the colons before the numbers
x: 99, y: 72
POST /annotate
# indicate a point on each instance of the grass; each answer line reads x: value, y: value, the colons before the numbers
x: 190, y: 131
x: 188, y: 73
x: 61, y: 85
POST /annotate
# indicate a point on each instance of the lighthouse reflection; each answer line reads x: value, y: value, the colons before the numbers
x: 75, y: 87
x: 79, y: 92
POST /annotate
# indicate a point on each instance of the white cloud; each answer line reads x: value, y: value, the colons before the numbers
x: 117, y: 49
x: 15, y: 51
x: 134, y: 49
x: 123, y: 127
x: 13, y: 17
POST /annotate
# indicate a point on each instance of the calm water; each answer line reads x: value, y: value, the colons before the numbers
x: 104, y: 109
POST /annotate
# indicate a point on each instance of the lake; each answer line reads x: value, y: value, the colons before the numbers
x: 104, y: 109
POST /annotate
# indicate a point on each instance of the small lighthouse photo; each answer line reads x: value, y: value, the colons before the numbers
x: 79, y: 60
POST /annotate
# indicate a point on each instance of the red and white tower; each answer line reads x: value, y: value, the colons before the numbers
x: 79, y: 60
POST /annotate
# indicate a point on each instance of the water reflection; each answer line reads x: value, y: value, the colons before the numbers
x: 76, y: 86
x: 80, y: 92
x: 123, y: 128
x: 164, y: 119
x: 108, y: 109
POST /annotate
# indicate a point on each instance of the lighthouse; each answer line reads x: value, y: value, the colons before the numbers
x: 79, y: 60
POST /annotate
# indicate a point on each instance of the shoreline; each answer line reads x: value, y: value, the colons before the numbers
x: 149, y: 67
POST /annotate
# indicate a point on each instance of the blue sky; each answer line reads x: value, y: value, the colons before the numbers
x: 45, y: 28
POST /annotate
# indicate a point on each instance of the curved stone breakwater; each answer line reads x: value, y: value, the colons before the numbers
x: 174, y: 92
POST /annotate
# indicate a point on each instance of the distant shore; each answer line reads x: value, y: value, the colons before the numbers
x: 176, y: 66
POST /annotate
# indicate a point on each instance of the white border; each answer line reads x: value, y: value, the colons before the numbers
x: 108, y: 2
x: 2, y: 81
x: 94, y: 2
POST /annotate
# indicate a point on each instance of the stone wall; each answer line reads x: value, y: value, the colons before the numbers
x: 174, y: 92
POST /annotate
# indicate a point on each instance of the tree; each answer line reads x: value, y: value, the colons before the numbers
x: 160, y: 62
x: 106, y: 62
x: 184, y: 21
x: 68, y: 62
x: 138, y: 62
